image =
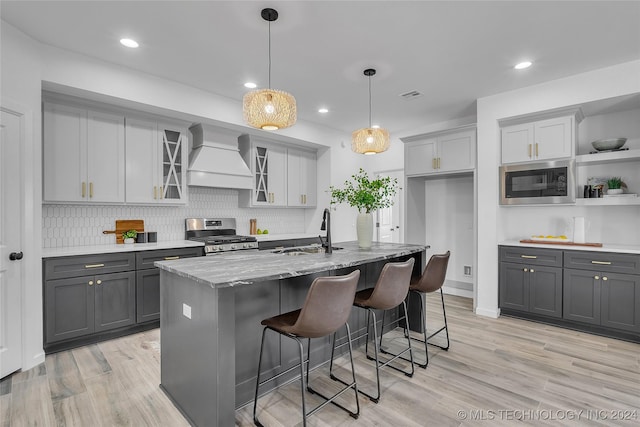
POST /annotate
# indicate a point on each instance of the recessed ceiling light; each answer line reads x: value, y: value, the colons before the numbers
x: 375, y: 126
x: 129, y: 43
x: 323, y: 110
x: 250, y: 85
x: 523, y: 65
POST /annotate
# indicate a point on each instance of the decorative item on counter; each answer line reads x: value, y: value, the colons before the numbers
x: 253, y: 226
x: 587, y: 191
x: 129, y: 236
x: 578, y: 229
x: 366, y: 195
x: 614, y: 185
x: 147, y: 237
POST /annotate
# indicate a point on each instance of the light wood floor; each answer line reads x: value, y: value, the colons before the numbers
x: 497, y: 372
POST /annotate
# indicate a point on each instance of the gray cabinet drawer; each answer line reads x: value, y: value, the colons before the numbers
x: 82, y: 265
x: 602, y: 261
x: 531, y: 256
x: 145, y: 259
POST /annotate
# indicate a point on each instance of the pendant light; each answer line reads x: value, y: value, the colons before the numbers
x: 370, y: 140
x: 269, y: 109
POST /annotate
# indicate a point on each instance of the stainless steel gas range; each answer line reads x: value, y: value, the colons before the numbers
x: 219, y: 235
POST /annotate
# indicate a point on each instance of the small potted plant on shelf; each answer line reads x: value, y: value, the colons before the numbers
x: 367, y: 195
x: 614, y: 185
x: 129, y: 236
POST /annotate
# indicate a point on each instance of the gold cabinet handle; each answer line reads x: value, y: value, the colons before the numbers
x: 601, y: 262
x: 84, y: 189
x: 90, y: 189
x: 605, y: 278
x: 155, y: 192
x: 529, y: 150
x: 433, y: 163
x: 169, y: 258
x: 90, y: 282
x: 99, y: 282
x: 536, y: 149
x: 161, y: 192
x: 439, y: 162
x: 529, y: 256
x: 525, y: 269
x: 93, y: 265
x: 305, y: 199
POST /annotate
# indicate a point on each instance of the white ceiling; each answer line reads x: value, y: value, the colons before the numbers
x: 452, y: 52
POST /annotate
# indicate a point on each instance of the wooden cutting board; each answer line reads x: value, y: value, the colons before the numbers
x: 542, y: 242
x: 123, y: 225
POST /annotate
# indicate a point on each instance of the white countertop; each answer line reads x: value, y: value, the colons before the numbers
x: 625, y: 249
x: 114, y: 248
x: 272, y: 237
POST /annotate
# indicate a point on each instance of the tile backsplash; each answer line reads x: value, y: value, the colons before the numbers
x: 82, y: 225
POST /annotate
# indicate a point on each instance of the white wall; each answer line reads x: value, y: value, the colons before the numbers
x: 497, y: 223
x: 20, y: 84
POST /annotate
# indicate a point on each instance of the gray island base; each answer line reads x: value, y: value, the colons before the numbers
x: 211, y: 309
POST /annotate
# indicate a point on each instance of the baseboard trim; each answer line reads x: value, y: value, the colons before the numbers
x: 457, y: 291
x: 37, y: 359
x: 493, y: 313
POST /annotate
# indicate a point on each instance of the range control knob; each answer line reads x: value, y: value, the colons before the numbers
x: 234, y: 246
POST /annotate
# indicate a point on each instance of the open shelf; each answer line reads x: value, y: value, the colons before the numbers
x: 609, y: 201
x: 611, y: 157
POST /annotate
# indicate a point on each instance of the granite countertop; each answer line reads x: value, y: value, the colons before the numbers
x: 625, y: 249
x: 291, y: 236
x: 114, y: 248
x: 241, y: 268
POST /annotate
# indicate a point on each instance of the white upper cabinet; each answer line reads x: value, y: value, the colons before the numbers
x: 268, y: 163
x: 441, y: 153
x: 301, y: 178
x: 547, y: 139
x: 84, y: 155
x: 156, y: 168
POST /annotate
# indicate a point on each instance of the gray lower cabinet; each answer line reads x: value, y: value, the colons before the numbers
x: 88, y: 297
x: 531, y: 281
x: 598, y: 290
x: 148, y: 279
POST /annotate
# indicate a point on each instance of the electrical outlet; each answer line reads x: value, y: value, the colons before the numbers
x: 467, y: 270
x: 186, y: 311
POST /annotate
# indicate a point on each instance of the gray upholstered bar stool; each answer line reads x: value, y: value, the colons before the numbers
x: 389, y: 292
x: 431, y: 280
x: 326, y: 309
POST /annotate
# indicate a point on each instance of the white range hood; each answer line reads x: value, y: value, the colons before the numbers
x: 215, y: 160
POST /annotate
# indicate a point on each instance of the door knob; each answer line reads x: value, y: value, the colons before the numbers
x: 15, y: 256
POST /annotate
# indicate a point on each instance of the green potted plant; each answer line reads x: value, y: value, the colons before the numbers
x: 367, y: 195
x: 129, y: 236
x: 614, y: 185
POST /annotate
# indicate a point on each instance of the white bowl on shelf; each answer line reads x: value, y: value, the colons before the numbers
x: 608, y: 144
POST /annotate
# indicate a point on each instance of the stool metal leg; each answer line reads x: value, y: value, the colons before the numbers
x: 303, y: 385
x: 255, y: 397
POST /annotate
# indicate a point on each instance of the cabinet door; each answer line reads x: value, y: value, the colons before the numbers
x: 147, y: 295
x: 581, y: 296
x: 64, y: 154
x: 420, y: 157
x: 173, y: 166
x: 517, y: 143
x: 301, y: 178
x: 620, y: 303
x: 68, y: 308
x: 115, y: 300
x: 513, y: 283
x: 105, y: 157
x: 553, y: 138
x: 143, y: 176
x: 270, y: 171
x: 545, y: 291
x: 457, y: 152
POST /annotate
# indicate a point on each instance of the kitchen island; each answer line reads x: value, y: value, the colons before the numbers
x: 211, y: 309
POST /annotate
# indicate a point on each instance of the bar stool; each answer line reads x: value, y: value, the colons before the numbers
x: 326, y: 308
x: 389, y: 292
x: 431, y: 280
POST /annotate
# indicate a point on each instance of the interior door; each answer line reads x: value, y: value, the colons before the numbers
x: 388, y: 223
x: 10, y: 242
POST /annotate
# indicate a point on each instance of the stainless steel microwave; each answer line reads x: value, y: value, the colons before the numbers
x: 538, y: 183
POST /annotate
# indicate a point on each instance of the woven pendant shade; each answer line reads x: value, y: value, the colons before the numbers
x: 370, y: 140
x: 269, y: 109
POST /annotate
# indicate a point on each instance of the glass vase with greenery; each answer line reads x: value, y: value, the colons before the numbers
x: 365, y: 194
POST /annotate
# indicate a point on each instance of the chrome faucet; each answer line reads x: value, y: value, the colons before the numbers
x: 326, y: 225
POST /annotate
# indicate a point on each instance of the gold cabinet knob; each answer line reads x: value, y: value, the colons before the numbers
x: 99, y: 282
x: 596, y: 277
x: 525, y: 269
x: 90, y: 282
x: 604, y: 278
x: 532, y: 271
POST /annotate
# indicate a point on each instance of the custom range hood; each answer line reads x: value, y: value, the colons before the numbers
x: 215, y: 160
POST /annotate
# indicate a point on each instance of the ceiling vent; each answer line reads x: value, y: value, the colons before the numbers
x: 411, y: 94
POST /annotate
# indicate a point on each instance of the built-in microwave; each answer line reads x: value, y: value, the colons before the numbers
x: 538, y: 183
